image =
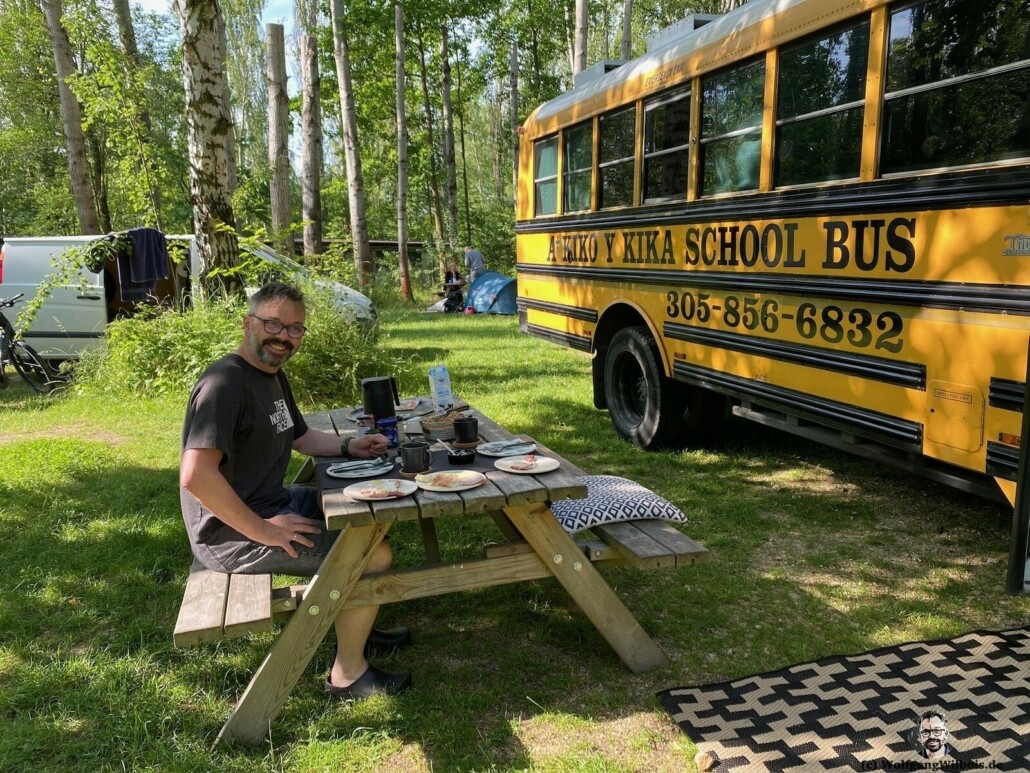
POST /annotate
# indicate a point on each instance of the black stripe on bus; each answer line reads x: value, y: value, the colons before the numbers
x: 906, y: 374
x: 1002, y: 460
x: 989, y: 298
x: 1007, y: 394
x: 988, y: 188
x: 575, y: 312
x: 889, y: 430
x: 565, y: 339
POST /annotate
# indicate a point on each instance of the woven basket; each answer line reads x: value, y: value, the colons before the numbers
x: 438, y: 427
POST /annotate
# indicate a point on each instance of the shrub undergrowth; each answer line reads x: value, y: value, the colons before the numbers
x: 164, y: 351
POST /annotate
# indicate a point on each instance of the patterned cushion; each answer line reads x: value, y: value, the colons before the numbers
x: 610, y: 499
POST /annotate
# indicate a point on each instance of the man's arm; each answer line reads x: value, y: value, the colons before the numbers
x: 316, y: 442
x: 199, y: 474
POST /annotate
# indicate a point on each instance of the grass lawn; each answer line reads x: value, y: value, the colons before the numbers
x: 813, y: 553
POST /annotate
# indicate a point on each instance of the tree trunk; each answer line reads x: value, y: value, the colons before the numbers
x: 497, y: 133
x: 402, y: 156
x: 207, y: 124
x: 513, y: 107
x: 127, y: 35
x: 434, y: 187
x: 580, y: 59
x: 464, y: 162
x: 278, y: 138
x: 230, y: 134
x: 626, y: 49
x: 352, y: 151
x: 71, y: 116
x: 448, y: 141
x: 96, y: 150
x: 311, y: 118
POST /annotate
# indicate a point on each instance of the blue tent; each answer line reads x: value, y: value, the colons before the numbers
x: 492, y: 293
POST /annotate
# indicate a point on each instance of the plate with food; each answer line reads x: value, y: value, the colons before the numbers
x: 458, y: 480
x: 529, y: 464
x: 384, y: 488
x: 514, y: 447
x: 364, y: 468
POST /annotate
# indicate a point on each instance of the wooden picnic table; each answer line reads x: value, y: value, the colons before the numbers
x: 536, y: 546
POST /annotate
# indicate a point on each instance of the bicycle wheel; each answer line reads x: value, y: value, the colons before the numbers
x: 33, y: 368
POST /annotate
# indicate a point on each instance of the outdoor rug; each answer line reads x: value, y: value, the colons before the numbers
x: 866, y: 712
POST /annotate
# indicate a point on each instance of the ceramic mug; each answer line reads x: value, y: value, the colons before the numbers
x: 416, y: 456
x: 466, y: 430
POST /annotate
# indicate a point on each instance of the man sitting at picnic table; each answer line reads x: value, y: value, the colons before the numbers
x: 241, y: 425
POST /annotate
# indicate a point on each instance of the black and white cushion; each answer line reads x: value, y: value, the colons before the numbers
x: 611, y: 499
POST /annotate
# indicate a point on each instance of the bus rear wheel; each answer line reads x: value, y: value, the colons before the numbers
x: 646, y: 407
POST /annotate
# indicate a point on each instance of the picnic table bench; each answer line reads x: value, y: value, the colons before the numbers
x: 216, y: 605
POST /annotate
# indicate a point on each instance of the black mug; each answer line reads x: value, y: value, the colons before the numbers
x: 466, y: 430
x: 416, y: 456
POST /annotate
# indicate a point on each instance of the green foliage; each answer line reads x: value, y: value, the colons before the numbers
x: 164, y: 351
x: 161, y: 351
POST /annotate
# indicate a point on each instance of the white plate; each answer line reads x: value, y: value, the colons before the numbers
x: 361, y: 472
x: 397, y: 487
x: 438, y: 481
x: 538, y: 464
x: 497, y: 448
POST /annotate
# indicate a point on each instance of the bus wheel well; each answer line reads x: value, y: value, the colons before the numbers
x: 615, y: 319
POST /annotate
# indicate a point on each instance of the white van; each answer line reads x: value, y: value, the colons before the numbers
x: 76, y: 314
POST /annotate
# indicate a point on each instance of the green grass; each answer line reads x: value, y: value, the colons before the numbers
x: 813, y: 553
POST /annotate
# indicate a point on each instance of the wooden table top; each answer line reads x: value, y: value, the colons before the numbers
x: 501, y: 489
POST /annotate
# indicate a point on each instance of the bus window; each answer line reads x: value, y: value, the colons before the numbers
x: 666, y: 147
x: 545, y: 181
x: 958, y: 85
x: 577, y: 167
x: 731, y: 129
x: 819, y: 112
x: 618, y: 138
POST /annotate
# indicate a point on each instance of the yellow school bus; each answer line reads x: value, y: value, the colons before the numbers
x: 814, y: 211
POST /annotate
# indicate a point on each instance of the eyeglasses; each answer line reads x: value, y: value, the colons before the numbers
x: 275, y: 327
x: 937, y: 732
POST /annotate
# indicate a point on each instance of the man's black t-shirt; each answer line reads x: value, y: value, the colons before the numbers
x: 251, y: 417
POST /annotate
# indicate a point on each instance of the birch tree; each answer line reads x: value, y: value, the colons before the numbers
x: 626, y: 49
x: 278, y: 137
x: 311, y: 121
x: 71, y: 118
x: 352, y: 151
x: 579, y: 59
x: 450, y: 168
x: 402, y: 155
x: 208, y: 122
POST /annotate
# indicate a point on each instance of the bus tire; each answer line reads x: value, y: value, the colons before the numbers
x: 646, y: 407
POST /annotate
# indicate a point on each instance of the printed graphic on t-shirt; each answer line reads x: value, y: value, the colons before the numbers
x: 281, y: 418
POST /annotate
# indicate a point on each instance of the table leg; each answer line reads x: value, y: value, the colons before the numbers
x: 586, y: 586
x: 429, y: 540
x: 296, y: 643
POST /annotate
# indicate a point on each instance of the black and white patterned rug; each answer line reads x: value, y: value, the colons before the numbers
x: 956, y: 704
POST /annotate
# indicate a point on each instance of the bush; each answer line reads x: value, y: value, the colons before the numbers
x: 164, y: 352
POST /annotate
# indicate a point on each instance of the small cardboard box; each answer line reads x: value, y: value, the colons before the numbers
x: 440, y: 387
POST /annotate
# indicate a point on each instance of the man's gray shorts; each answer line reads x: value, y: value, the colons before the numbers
x: 252, y: 558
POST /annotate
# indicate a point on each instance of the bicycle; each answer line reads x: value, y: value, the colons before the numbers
x: 36, y: 371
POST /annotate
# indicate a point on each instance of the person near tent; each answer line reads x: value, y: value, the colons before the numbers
x: 452, y: 284
x: 474, y: 263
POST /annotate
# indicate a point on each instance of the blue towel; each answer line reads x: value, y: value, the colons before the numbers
x: 141, y: 266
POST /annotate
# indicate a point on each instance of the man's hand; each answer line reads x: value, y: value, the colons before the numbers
x: 290, y: 528
x: 368, y: 446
